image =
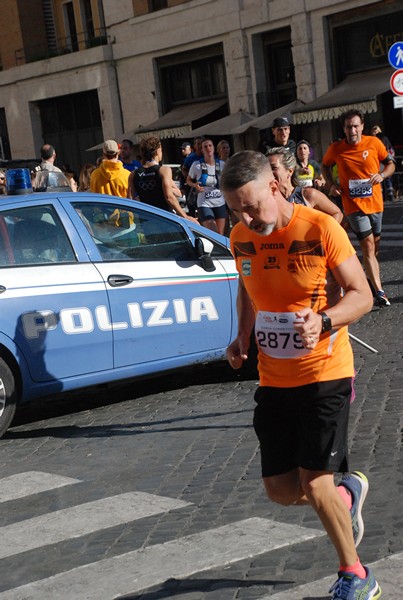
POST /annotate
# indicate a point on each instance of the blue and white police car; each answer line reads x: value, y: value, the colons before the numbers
x: 95, y: 289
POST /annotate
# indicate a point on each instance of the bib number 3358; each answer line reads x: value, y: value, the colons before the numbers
x: 276, y: 336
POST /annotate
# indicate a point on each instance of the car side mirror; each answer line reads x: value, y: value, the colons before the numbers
x: 204, y: 248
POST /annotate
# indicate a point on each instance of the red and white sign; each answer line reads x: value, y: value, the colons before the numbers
x: 396, y: 82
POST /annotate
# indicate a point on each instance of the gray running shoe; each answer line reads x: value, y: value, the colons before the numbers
x: 357, y: 484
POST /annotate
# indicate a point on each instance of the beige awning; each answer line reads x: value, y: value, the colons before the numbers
x: 178, y: 121
x: 225, y: 126
x: 356, y: 91
x: 266, y: 121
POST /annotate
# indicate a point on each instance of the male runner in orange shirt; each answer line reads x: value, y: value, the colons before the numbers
x: 358, y: 159
x: 284, y: 253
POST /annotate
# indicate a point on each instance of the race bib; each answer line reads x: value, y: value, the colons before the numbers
x: 214, y: 193
x: 359, y: 188
x: 276, y: 336
x: 305, y: 182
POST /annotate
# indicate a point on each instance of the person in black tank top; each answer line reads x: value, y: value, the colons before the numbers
x: 153, y: 183
x: 148, y: 185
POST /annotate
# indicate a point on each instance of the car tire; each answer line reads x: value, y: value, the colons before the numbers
x: 7, y: 397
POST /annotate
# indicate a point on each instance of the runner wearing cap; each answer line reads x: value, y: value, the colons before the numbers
x: 281, y: 135
x: 110, y: 177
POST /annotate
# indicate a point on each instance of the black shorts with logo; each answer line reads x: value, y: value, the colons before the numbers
x: 305, y: 426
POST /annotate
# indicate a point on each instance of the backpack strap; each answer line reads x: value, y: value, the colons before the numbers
x: 204, y: 175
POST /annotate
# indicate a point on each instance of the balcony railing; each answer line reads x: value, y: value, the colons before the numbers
x: 66, y: 45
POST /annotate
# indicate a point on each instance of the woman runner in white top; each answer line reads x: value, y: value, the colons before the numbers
x: 204, y: 176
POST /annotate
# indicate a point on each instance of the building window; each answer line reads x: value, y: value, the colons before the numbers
x: 154, y: 5
x: 190, y: 80
x: 275, y: 75
x: 88, y: 20
x: 279, y: 69
x: 360, y: 45
x: 70, y: 26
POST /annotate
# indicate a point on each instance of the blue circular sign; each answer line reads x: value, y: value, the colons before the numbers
x: 395, y: 55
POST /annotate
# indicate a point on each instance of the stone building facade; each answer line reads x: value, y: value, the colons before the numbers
x: 75, y: 72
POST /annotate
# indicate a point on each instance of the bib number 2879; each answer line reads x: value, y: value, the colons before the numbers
x: 276, y: 336
x: 283, y: 340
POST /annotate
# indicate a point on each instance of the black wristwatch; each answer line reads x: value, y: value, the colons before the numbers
x: 326, y: 322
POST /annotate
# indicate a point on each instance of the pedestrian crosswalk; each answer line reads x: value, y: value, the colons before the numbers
x: 132, y: 571
x: 138, y: 570
x: 61, y: 525
x: 31, y: 482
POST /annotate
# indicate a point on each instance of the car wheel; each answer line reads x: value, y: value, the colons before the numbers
x: 7, y: 397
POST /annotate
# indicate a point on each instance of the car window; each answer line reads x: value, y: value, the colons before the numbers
x: 33, y: 235
x: 123, y: 234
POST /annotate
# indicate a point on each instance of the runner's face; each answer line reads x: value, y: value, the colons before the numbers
x: 198, y: 146
x: 125, y: 150
x: 208, y: 148
x: 280, y: 173
x: 224, y: 151
x: 303, y: 152
x: 255, y: 205
x: 281, y: 135
x: 353, y: 129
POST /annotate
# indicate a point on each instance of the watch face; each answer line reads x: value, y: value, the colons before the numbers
x: 326, y: 323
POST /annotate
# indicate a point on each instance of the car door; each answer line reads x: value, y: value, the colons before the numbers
x: 164, y: 306
x: 50, y: 292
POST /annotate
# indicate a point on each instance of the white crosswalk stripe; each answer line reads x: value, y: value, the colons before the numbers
x: 136, y: 571
x: 31, y: 482
x: 80, y: 520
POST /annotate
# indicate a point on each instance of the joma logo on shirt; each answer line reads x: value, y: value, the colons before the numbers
x: 271, y: 246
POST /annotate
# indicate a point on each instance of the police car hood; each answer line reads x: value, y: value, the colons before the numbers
x: 110, y: 169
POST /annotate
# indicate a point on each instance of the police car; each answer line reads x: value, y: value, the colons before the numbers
x: 95, y: 289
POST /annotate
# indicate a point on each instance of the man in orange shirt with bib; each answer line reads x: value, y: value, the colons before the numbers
x: 284, y: 254
x: 358, y: 159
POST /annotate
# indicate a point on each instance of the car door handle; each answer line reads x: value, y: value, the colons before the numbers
x: 119, y: 280
x: 2, y: 289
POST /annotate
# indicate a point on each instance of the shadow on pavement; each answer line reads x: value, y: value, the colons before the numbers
x: 95, y: 397
x: 176, y: 587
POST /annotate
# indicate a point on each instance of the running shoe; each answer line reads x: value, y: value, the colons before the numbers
x: 350, y: 587
x: 357, y: 484
x: 381, y: 299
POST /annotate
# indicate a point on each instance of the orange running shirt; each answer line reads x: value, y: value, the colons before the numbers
x: 283, y: 272
x: 356, y: 163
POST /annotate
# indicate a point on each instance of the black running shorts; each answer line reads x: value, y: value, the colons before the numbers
x: 304, y: 426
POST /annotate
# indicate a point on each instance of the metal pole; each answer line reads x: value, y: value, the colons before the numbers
x: 356, y: 339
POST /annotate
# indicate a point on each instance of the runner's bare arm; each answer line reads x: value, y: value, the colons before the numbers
x: 318, y: 200
x: 356, y: 301
x: 167, y: 185
x: 237, y: 351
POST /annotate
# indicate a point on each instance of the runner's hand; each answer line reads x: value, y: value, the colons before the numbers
x: 237, y: 352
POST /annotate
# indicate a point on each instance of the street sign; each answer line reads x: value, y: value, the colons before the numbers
x: 398, y: 101
x: 395, y: 55
x: 396, y: 82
